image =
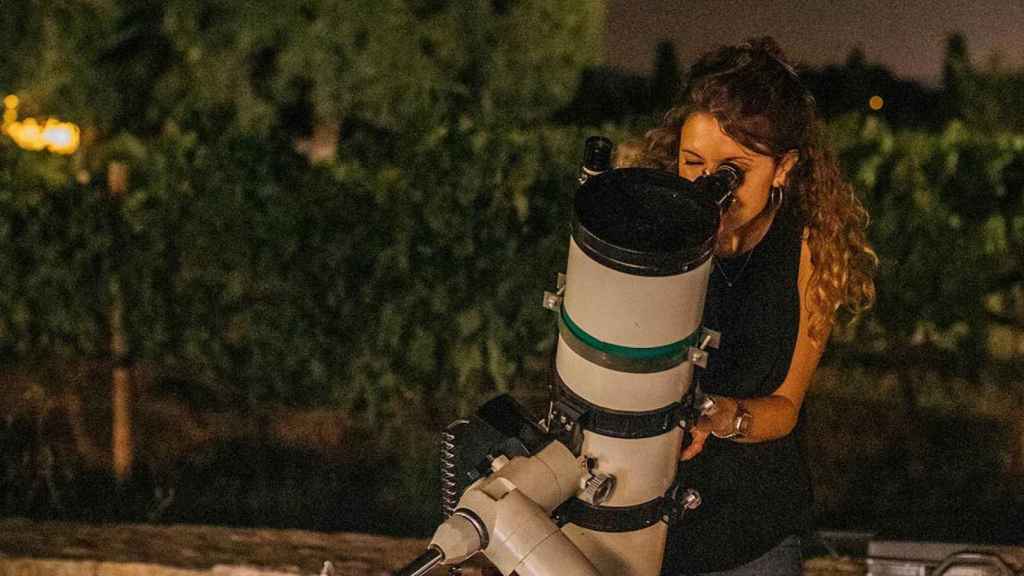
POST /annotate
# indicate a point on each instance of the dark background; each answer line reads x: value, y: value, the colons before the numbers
x: 905, y: 37
x: 298, y: 239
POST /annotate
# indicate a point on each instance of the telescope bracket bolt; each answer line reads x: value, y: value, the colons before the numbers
x: 708, y: 406
x: 553, y: 300
x: 698, y: 357
x: 691, y: 499
x: 679, y: 503
x: 709, y: 338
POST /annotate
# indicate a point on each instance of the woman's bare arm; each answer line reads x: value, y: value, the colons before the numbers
x: 772, y: 416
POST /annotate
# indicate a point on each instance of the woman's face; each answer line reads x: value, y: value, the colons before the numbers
x: 703, y: 147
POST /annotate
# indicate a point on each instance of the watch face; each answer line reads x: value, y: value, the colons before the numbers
x: 743, y: 423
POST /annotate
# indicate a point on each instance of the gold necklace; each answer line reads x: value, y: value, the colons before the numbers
x: 732, y: 281
x: 735, y: 279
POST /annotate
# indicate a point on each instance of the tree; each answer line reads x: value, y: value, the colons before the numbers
x: 667, y: 79
x: 380, y: 63
x: 202, y: 102
x: 848, y: 88
x: 51, y: 48
x: 956, y: 76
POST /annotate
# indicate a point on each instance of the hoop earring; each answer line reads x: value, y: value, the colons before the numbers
x: 775, y: 197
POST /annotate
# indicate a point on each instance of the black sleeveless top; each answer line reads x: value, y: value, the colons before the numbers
x: 754, y: 495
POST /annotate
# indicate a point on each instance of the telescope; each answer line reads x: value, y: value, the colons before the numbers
x: 590, y: 488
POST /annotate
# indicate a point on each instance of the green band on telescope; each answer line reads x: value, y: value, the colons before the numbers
x: 656, y: 352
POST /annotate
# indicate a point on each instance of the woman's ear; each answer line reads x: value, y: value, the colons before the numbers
x: 782, y: 168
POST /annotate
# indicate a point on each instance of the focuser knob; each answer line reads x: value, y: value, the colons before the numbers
x: 597, y: 488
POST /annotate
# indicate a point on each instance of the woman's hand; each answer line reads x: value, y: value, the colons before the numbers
x: 698, y: 436
x: 719, y: 417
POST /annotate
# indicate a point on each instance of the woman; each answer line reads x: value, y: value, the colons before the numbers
x: 791, y: 253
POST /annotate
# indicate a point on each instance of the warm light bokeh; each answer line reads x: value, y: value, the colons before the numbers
x: 876, y: 103
x: 53, y: 135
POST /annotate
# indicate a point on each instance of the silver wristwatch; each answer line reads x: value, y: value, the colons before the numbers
x: 740, y: 424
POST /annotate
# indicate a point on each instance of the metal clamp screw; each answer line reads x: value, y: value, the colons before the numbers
x: 553, y: 300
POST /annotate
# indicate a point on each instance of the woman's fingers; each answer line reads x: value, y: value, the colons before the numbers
x: 698, y: 435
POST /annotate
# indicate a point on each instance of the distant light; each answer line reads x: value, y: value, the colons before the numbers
x: 53, y: 135
x: 61, y: 137
x: 10, y: 109
x: 876, y: 103
x: 27, y: 134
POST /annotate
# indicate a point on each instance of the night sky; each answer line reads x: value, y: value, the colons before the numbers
x: 908, y: 36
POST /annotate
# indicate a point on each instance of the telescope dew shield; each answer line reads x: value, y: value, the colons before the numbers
x: 637, y: 274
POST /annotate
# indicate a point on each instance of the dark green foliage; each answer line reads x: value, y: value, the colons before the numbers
x: 407, y: 269
x: 240, y: 264
x: 55, y: 240
x: 947, y: 224
x: 402, y: 275
x: 988, y: 98
x: 667, y: 79
x: 416, y: 276
x: 394, y: 273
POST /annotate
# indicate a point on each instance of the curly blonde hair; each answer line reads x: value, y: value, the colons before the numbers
x: 758, y: 100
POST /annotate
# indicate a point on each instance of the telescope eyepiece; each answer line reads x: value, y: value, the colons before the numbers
x: 721, y: 184
x: 597, y: 154
x: 731, y: 174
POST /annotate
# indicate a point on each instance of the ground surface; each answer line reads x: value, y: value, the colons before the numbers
x: 73, y: 549
x: 29, y: 548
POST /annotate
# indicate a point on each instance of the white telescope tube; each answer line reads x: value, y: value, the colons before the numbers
x: 629, y: 328
x: 637, y: 275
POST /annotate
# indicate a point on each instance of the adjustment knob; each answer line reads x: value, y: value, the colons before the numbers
x: 597, y: 488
